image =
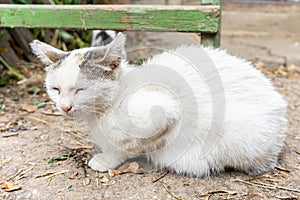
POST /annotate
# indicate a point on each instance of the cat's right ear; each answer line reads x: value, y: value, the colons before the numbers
x: 46, y: 53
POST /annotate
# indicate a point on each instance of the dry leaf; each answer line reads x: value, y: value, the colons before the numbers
x: 281, y: 71
x: 114, y: 172
x: 86, y: 181
x: 260, y: 65
x: 3, y: 127
x: 73, y: 176
x: 9, y: 186
x: 293, y: 69
x: 29, y: 108
x: 104, y: 179
x: 6, y: 185
x: 132, y: 168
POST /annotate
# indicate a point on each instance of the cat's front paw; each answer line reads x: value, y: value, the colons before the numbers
x: 101, y: 163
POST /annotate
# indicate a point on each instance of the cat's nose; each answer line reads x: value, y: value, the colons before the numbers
x: 66, y: 108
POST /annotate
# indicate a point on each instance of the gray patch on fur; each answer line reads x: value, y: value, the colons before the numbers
x: 93, y: 70
x: 58, y: 63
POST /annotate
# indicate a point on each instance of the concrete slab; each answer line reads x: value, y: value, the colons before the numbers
x: 268, y: 32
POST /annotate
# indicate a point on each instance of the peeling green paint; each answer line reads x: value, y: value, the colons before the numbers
x: 205, y: 20
x: 117, y: 17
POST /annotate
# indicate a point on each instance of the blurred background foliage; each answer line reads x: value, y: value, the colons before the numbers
x: 15, y: 67
x: 62, y: 39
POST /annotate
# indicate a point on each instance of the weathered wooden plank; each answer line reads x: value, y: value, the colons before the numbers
x: 212, y: 39
x: 117, y: 17
x: 211, y: 2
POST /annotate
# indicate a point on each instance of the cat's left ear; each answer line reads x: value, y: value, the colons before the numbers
x: 46, y: 53
x: 113, y: 52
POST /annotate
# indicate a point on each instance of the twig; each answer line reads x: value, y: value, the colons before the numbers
x: 51, y: 114
x: 5, y: 161
x: 57, y: 173
x: 268, y: 186
x: 272, y: 180
x: 23, y: 174
x: 173, y: 195
x: 222, y: 191
x: 97, y: 182
x: 49, y: 181
x: 84, y: 147
x: 44, y: 174
x: 17, y: 174
x: 286, y: 197
x: 33, y: 163
x: 258, y: 177
x: 160, y: 177
x: 37, y: 119
x: 28, y: 170
x: 208, y: 194
x: 9, y: 135
x: 281, y: 168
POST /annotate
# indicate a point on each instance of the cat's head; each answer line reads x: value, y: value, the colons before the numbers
x: 83, y: 80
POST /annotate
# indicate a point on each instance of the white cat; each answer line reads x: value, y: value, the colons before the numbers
x: 193, y: 110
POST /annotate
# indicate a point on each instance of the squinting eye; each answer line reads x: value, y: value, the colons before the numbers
x: 56, y: 89
x: 80, y: 89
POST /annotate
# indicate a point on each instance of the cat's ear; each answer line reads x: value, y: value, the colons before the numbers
x: 117, y: 45
x: 46, y: 53
x: 113, y: 52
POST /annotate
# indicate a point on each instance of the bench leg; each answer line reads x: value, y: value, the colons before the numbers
x: 210, y: 39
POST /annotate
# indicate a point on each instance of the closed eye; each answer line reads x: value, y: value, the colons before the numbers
x: 56, y: 89
x: 79, y: 89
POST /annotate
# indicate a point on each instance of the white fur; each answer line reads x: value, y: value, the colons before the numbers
x: 127, y: 124
x: 40, y: 49
x: 57, y: 79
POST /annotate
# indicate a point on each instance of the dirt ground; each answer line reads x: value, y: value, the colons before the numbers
x: 44, y: 156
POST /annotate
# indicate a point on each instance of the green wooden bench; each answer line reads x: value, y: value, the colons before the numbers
x: 204, y: 19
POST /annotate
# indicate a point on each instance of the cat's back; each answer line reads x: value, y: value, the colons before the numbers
x: 216, y: 76
x: 236, y: 104
x: 239, y: 78
x: 243, y: 82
